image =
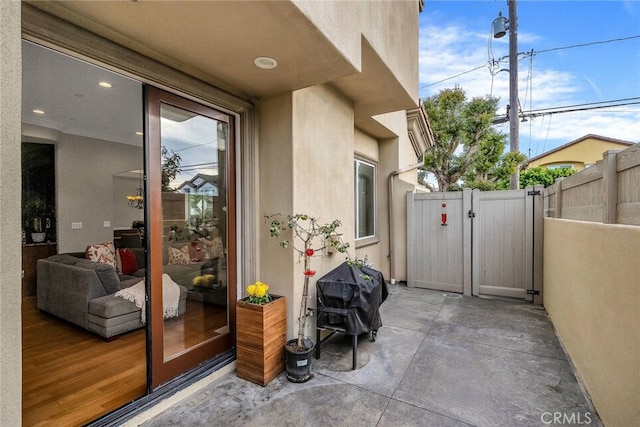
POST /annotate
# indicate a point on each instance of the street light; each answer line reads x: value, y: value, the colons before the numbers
x: 498, y: 28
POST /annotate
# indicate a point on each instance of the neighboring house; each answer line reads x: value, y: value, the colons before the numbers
x: 578, y: 154
x: 199, y: 184
x: 316, y: 108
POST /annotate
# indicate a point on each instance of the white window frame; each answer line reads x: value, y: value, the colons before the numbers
x: 560, y: 166
x: 362, y: 240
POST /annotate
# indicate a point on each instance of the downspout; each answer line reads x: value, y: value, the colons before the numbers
x: 392, y: 270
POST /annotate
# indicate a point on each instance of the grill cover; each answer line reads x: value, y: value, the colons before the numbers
x: 346, y: 300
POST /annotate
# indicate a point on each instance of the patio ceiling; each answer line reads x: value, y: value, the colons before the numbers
x: 216, y: 41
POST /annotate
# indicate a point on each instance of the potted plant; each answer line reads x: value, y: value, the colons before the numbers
x: 261, y: 328
x: 310, y: 239
x: 34, y: 212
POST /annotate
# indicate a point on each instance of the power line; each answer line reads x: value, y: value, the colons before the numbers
x: 522, y: 55
x: 610, y: 103
x: 571, y: 108
x: 536, y: 113
x: 589, y: 44
x: 457, y: 75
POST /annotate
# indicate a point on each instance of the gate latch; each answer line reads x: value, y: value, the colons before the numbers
x: 533, y: 193
x: 532, y: 292
x: 471, y: 214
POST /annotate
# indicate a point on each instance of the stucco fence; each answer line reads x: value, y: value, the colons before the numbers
x: 592, y: 279
x: 592, y: 294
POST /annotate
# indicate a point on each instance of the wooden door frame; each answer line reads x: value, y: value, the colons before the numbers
x: 159, y: 370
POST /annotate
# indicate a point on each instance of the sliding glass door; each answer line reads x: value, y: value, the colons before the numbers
x: 191, y: 216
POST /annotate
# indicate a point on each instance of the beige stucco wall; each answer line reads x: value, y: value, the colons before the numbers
x: 306, y: 166
x: 592, y: 294
x: 344, y: 23
x: 10, y: 190
x: 398, y: 155
x: 367, y: 146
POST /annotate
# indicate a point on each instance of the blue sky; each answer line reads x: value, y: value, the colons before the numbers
x: 455, y: 38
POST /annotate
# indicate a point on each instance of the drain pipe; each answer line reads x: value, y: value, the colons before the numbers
x: 392, y: 175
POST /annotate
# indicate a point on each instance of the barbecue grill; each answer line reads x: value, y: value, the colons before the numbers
x: 349, y: 298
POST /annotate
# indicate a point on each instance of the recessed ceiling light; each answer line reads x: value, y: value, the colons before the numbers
x: 265, y: 62
x: 104, y: 84
x: 38, y: 111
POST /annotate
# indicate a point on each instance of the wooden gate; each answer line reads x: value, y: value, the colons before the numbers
x: 476, y: 243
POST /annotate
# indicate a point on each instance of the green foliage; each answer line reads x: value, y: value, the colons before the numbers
x: 170, y: 167
x: 491, y: 169
x: 307, y: 229
x: 544, y: 176
x: 467, y: 148
x: 310, y: 239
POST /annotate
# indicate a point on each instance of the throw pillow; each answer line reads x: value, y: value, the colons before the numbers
x: 128, y: 260
x: 196, y: 251
x: 216, y: 249
x: 102, y: 252
x: 118, y: 262
x: 177, y: 257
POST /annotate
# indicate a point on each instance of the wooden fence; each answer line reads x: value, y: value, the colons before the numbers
x: 607, y: 192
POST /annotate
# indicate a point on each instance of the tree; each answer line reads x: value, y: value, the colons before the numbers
x: 466, y: 146
x: 544, y: 176
x: 490, y: 168
x: 170, y: 167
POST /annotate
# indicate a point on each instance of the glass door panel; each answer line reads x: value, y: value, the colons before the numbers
x: 192, y: 225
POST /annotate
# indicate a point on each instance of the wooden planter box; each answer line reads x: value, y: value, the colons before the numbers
x: 260, y: 339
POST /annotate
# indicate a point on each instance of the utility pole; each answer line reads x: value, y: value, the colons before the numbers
x: 514, y: 110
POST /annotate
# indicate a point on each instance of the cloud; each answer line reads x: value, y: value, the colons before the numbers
x: 452, y: 54
x: 544, y: 133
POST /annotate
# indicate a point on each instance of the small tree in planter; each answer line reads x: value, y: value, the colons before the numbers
x: 310, y: 239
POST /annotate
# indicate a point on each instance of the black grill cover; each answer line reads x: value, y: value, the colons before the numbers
x: 346, y: 300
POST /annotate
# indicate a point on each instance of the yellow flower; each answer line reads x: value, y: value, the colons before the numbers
x: 261, y: 290
x: 251, y: 290
x: 258, y: 293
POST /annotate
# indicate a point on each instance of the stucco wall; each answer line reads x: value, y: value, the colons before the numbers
x: 306, y: 166
x: 345, y: 22
x: 592, y: 294
x: 10, y: 196
x: 366, y: 146
x: 276, y: 183
x: 398, y: 155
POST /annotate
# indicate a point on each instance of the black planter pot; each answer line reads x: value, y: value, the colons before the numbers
x: 298, y: 363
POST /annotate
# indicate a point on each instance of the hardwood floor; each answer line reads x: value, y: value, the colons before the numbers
x: 71, y: 376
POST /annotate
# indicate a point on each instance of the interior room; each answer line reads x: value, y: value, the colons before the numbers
x: 86, y: 249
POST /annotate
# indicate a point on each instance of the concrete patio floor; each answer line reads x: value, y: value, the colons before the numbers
x: 439, y: 360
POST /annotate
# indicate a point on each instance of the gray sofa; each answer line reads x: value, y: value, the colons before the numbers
x: 81, y: 292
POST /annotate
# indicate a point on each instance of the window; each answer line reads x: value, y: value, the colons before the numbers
x: 560, y: 166
x: 365, y: 199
